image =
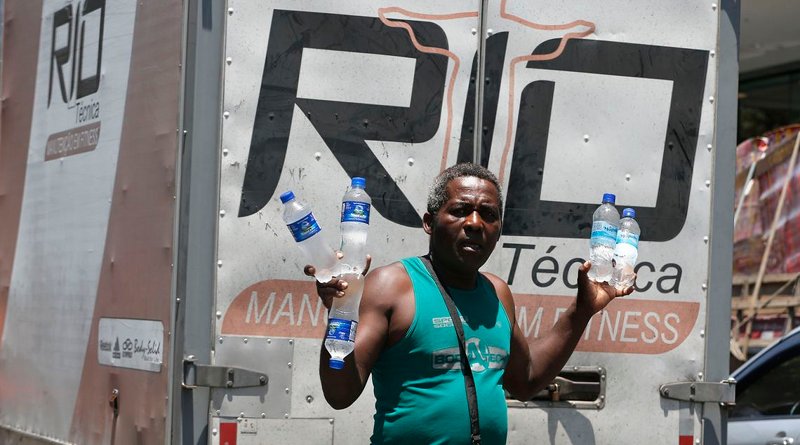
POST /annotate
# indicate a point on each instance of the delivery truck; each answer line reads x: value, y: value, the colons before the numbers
x: 151, y: 292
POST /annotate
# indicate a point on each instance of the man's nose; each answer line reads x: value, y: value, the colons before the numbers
x: 474, y: 221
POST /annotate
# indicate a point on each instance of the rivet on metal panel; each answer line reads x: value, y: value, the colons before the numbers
x: 241, y: 414
x: 178, y: 300
x: 218, y: 412
x: 410, y: 161
x: 711, y: 99
x: 309, y: 399
x: 224, y: 152
x: 702, y: 333
x: 286, y: 415
x: 708, y: 147
x: 704, y: 286
x: 474, y: 31
x: 263, y: 415
x: 317, y: 155
x: 289, y: 364
x: 226, y: 114
x: 269, y: 341
x: 697, y: 441
x: 585, y: 138
x: 219, y: 314
x: 330, y: 421
x: 291, y: 342
x: 712, y: 53
x: 714, y: 6
x: 214, y: 430
x: 708, y: 183
x: 602, y: 397
x: 219, y: 263
x: 244, y: 339
x: 628, y: 177
x: 286, y: 390
x: 228, y: 60
x: 700, y: 375
x: 230, y: 11
x: 220, y: 339
x: 221, y: 213
x: 575, y: 368
x: 705, y: 239
x: 239, y: 419
x: 489, y: 32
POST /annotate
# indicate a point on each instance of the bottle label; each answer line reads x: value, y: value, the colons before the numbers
x: 305, y: 228
x: 339, y: 329
x: 355, y: 211
x: 603, y: 231
x: 624, y: 237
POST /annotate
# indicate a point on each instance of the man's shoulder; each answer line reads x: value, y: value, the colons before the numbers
x: 389, y: 277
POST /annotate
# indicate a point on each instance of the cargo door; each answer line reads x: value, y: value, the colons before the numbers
x: 315, y: 93
x: 598, y: 98
x: 564, y: 103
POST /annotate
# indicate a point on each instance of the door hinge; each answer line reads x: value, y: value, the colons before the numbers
x: 723, y: 392
x: 214, y: 376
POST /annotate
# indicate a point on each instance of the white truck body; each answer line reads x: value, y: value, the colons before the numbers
x: 148, y: 278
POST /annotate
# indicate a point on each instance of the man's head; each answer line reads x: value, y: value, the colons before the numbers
x: 464, y: 217
x: 437, y: 195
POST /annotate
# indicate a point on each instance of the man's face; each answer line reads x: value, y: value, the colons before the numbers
x: 465, y: 230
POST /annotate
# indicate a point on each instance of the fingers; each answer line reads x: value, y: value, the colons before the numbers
x: 339, y: 254
x: 585, y: 267
x: 309, y: 270
x: 367, y: 264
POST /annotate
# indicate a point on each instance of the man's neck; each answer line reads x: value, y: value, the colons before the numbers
x: 454, y: 278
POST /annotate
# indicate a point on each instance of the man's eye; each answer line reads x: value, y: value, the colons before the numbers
x: 460, y: 211
x: 490, y: 214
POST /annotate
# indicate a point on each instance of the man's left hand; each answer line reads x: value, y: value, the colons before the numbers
x: 594, y: 296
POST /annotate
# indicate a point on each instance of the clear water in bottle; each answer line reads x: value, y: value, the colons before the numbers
x: 343, y: 320
x: 605, y: 222
x: 626, y: 250
x: 308, y: 235
x: 356, y: 206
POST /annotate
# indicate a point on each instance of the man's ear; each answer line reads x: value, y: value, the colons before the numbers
x: 427, y: 223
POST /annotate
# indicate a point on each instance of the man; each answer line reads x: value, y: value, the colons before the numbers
x: 405, y: 336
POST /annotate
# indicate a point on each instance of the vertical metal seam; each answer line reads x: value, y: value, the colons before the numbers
x: 480, y: 84
x: 175, y: 346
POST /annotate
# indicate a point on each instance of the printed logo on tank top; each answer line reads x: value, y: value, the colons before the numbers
x: 445, y: 322
x: 481, y: 357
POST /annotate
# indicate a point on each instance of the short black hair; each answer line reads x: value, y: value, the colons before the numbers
x: 438, y: 192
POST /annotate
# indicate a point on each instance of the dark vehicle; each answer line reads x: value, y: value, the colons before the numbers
x: 767, y: 410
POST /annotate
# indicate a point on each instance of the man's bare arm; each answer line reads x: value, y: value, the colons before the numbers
x: 532, y: 367
x: 342, y: 387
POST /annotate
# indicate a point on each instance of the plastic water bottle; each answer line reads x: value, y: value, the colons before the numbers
x: 356, y: 205
x: 605, y: 223
x: 307, y: 233
x: 343, y: 320
x: 626, y: 251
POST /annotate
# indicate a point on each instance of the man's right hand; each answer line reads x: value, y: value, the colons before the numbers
x: 336, y: 286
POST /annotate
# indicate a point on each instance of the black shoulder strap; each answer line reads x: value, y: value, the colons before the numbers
x: 469, y: 381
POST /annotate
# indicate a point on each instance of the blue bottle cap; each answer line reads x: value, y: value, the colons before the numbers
x: 335, y: 363
x: 358, y: 182
x: 629, y: 213
x: 286, y: 197
x: 609, y: 197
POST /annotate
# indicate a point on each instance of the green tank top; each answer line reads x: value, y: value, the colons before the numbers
x: 419, y: 388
